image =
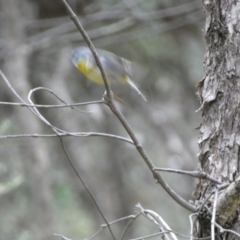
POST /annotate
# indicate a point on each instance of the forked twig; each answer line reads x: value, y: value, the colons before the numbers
x: 58, y: 132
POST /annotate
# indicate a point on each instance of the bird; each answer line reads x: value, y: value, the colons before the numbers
x: 118, y: 70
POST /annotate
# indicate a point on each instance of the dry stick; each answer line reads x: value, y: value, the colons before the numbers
x: 222, y: 230
x: 158, y: 220
x: 87, y: 189
x: 196, y: 174
x: 59, y: 131
x: 55, y: 95
x: 62, y: 237
x: 134, y: 217
x: 52, y: 106
x: 151, y: 236
x: 191, y: 225
x: 214, y: 214
x: 69, y: 134
x: 118, y: 114
x: 161, y: 233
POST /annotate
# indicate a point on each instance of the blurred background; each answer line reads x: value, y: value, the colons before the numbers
x: 39, y: 193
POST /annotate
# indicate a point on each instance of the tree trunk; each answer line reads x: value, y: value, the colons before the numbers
x: 219, y: 138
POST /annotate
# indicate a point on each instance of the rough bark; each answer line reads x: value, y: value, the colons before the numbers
x: 219, y: 94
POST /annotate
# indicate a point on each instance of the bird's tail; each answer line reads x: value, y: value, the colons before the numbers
x: 129, y: 81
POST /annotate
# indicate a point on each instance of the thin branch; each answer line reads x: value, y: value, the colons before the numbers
x: 157, y: 219
x: 54, y: 94
x: 68, y: 134
x: 181, y: 235
x: 213, y: 219
x: 120, y: 219
x: 91, y: 47
x: 53, y: 106
x: 128, y: 224
x: 196, y: 174
x: 62, y: 237
x: 191, y: 225
x: 150, y: 236
x: 132, y: 217
x: 58, y: 132
x: 222, y: 230
x: 147, y: 159
x: 111, y: 104
x: 95, y: 234
x: 86, y: 187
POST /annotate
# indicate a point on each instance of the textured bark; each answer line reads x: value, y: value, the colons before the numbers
x: 219, y: 93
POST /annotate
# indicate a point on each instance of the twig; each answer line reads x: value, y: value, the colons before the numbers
x: 196, y: 174
x: 157, y: 219
x: 121, y: 219
x: 191, y: 225
x: 150, y: 236
x: 222, y: 230
x: 95, y: 234
x: 214, y: 214
x: 63, y: 237
x: 68, y: 134
x: 132, y: 217
x: 148, y: 161
x: 128, y: 224
x: 50, y: 91
x: 52, y: 106
x: 91, y: 47
x: 58, y: 132
x: 87, y: 189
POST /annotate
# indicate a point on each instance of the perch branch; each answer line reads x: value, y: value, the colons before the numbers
x: 111, y: 104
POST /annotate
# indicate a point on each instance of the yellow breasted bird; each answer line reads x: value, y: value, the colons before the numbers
x: 117, y: 69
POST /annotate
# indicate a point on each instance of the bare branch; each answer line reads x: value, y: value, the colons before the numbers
x: 128, y: 224
x: 111, y: 104
x: 157, y: 219
x: 62, y: 237
x: 86, y: 187
x: 68, y: 134
x: 151, y: 235
x: 214, y: 214
x: 131, y: 217
x: 91, y: 47
x: 191, y: 225
x: 196, y: 174
x: 50, y: 91
x: 58, y: 131
x: 222, y: 230
x: 53, y: 106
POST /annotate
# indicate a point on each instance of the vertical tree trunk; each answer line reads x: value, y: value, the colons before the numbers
x: 219, y: 137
